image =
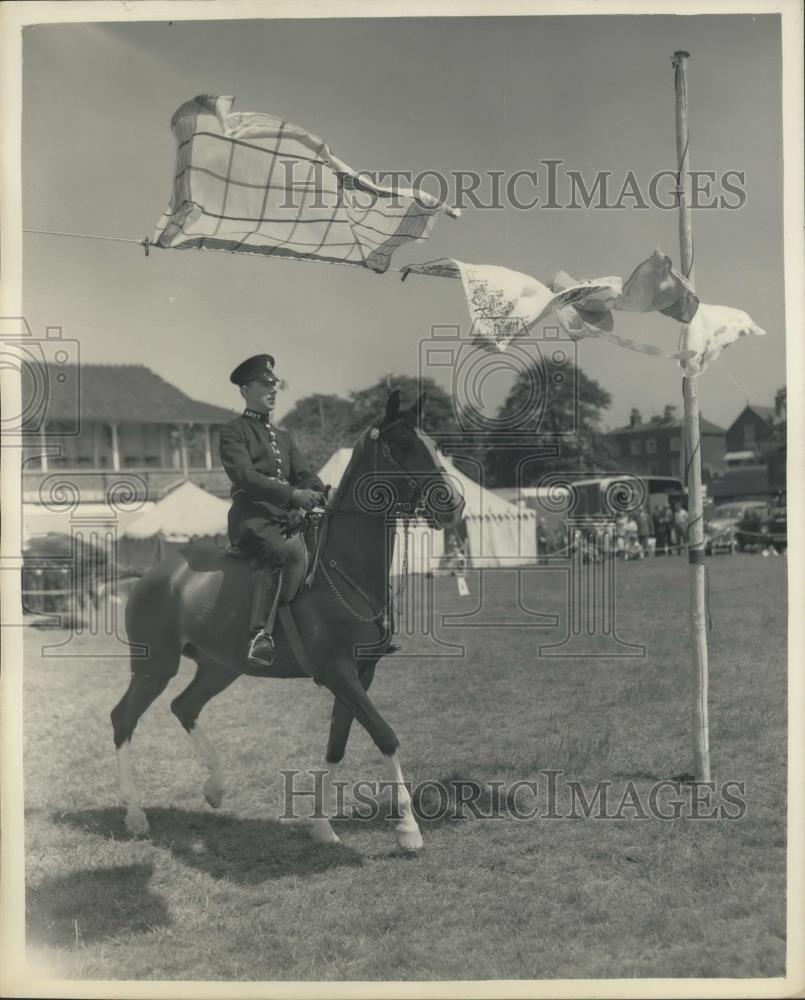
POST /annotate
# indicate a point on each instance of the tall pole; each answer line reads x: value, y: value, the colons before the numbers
x: 692, y: 449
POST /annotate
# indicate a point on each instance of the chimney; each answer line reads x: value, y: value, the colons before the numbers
x: 634, y: 417
x: 670, y: 412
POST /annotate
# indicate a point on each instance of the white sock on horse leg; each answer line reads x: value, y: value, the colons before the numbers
x: 135, y: 817
x: 208, y: 756
x: 407, y: 819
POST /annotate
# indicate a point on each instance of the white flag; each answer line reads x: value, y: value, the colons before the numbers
x: 711, y: 330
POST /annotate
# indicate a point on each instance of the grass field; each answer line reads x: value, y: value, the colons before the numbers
x: 236, y: 895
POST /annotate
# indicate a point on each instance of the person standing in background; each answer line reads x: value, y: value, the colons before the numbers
x: 644, y: 529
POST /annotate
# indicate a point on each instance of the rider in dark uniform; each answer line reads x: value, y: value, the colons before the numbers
x: 271, y: 485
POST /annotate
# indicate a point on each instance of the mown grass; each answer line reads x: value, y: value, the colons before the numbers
x: 237, y: 895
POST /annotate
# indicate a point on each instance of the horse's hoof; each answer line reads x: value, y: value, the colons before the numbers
x: 409, y: 841
x: 214, y: 794
x: 323, y: 833
x: 136, y: 823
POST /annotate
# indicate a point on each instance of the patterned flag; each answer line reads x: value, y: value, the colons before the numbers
x: 253, y: 183
x: 505, y: 304
x: 711, y: 330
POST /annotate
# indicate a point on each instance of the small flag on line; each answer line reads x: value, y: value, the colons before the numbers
x: 505, y: 304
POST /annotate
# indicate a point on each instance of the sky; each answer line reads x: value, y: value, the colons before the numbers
x: 442, y: 94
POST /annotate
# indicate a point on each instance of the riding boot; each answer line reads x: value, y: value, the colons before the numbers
x: 264, y: 609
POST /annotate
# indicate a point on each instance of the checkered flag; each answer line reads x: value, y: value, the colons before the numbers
x: 253, y: 183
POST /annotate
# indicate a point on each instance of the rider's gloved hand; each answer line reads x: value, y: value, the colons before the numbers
x: 306, y: 499
x: 296, y: 518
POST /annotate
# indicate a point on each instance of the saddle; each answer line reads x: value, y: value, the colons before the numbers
x: 298, y: 562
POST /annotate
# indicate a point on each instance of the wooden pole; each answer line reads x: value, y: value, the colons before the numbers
x: 692, y: 450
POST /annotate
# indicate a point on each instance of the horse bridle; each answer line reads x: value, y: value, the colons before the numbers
x: 416, y: 505
x: 416, y: 501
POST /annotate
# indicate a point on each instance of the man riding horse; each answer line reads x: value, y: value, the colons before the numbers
x: 271, y: 487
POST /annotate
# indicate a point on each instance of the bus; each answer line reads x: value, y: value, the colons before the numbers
x: 603, y: 496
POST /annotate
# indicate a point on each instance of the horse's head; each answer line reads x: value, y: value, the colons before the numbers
x: 406, y: 471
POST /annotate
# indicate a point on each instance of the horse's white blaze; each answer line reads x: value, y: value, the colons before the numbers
x: 407, y: 830
x: 322, y: 832
x: 208, y: 756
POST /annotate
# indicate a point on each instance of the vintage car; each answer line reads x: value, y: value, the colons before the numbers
x: 721, y: 520
x: 765, y: 529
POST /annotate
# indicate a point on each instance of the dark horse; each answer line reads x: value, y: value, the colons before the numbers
x: 196, y: 603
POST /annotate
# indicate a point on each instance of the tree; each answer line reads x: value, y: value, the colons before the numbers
x: 370, y: 404
x: 320, y: 425
x: 570, y: 417
x: 773, y: 450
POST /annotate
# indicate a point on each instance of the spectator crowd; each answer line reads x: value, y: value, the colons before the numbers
x: 634, y: 535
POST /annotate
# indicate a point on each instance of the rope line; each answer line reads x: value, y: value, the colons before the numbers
x: 732, y: 378
x: 85, y: 236
x: 147, y: 244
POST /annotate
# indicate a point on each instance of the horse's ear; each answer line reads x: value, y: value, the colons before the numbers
x: 393, y: 405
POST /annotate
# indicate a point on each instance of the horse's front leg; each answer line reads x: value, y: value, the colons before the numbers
x: 407, y: 831
x: 340, y: 726
x: 346, y: 686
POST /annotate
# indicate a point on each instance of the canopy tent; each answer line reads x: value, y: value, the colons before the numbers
x: 187, y: 513
x: 499, y: 533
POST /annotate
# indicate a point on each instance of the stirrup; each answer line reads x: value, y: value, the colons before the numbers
x: 261, y: 650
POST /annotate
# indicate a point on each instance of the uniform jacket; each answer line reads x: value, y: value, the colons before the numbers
x: 262, y: 468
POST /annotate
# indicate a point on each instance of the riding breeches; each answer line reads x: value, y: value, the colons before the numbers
x: 256, y: 535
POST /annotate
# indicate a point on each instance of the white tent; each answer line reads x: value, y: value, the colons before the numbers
x: 335, y: 467
x: 499, y: 533
x: 184, y: 514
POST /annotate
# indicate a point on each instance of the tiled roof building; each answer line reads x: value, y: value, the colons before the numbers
x: 657, y: 447
x: 110, y: 418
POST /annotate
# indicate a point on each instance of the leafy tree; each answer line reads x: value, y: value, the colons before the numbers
x: 773, y: 450
x: 319, y: 425
x: 577, y: 401
x: 369, y: 404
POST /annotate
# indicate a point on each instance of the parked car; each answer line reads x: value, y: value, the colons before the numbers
x: 764, y: 529
x: 721, y: 522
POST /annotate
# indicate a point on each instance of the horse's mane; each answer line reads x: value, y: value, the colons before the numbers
x: 358, y: 453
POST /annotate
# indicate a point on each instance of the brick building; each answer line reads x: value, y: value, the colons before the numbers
x: 656, y: 447
x: 752, y: 428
